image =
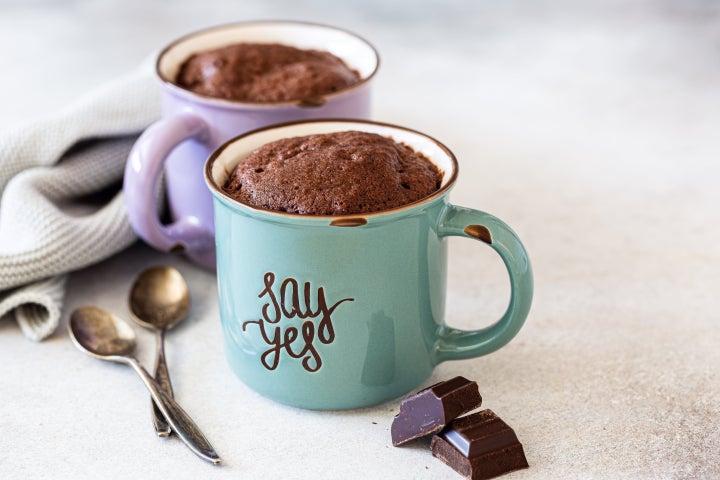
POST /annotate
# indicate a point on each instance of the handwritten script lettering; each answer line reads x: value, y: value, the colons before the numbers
x: 286, y: 304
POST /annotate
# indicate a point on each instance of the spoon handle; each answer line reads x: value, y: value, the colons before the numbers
x: 162, y: 377
x: 179, y: 421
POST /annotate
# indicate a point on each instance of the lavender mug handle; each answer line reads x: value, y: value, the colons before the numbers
x: 142, y: 172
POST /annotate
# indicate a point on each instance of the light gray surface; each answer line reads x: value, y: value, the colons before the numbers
x: 592, y: 130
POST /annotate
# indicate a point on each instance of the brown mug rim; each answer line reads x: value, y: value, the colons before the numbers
x: 239, y: 104
x: 350, y: 219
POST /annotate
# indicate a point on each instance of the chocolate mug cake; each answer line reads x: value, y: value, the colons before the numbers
x: 258, y: 72
x: 328, y: 311
x: 194, y: 123
x: 337, y: 173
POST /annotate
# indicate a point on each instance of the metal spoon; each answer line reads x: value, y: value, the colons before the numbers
x: 159, y: 299
x: 104, y: 336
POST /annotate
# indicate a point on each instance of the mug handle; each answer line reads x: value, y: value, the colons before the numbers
x: 145, y: 164
x: 455, y: 344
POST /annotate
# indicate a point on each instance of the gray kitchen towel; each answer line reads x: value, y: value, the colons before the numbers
x: 60, y: 208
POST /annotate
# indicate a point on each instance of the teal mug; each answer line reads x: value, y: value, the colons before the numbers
x: 336, y: 312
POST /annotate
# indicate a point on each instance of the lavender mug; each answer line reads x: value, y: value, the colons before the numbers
x: 194, y: 125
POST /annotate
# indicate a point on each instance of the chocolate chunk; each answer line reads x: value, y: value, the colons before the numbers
x: 479, y: 446
x: 429, y: 410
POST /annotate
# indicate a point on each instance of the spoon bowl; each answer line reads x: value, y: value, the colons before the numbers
x: 159, y: 298
x: 101, y: 334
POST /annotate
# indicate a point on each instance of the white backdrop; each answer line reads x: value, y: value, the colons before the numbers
x: 592, y: 129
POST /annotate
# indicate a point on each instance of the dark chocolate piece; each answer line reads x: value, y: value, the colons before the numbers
x: 479, y: 446
x: 429, y: 410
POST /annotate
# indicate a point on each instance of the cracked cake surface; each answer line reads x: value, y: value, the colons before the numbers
x: 333, y: 174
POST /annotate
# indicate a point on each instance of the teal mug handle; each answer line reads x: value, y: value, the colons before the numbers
x: 455, y: 344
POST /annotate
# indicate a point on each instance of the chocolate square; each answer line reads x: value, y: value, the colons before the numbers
x: 479, y: 446
x: 429, y: 410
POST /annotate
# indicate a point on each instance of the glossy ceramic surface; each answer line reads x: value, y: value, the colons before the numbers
x: 343, y: 312
x: 193, y: 126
